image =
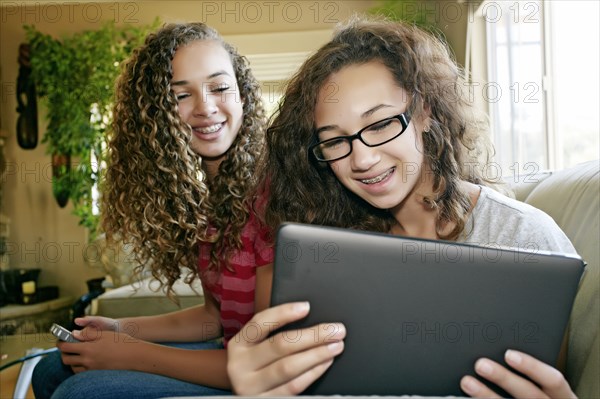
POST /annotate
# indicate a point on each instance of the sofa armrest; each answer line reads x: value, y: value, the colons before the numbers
x: 144, y: 298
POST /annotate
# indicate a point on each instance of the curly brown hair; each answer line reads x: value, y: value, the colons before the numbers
x: 306, y: 191
x: 156, y: 195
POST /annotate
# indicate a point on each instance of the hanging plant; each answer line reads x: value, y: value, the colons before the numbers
x: 75, y: 77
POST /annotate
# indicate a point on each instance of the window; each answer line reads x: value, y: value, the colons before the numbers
x: 540, y: 81
x: 271, y: 92
x: 575, y: 48
x: 272, y: 71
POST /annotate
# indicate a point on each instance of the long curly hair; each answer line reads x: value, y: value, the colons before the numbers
x: 156, y: 196
x: 304, y: 190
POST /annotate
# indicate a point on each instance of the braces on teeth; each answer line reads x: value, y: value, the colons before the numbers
x: 378, y: 178
x: 210, y: 129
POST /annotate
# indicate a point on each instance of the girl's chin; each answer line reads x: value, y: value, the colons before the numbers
x: 383, y: 201
x: 384, y: 205
x: 378, y: 202
x: 211, y: 151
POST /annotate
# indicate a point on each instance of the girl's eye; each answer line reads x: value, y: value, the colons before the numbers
x: 334, y: 144
x: 381, y: 126
x: 221, y: 88
x: 181, y: 96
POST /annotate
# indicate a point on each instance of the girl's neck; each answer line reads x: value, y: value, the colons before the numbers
x: 211, y: 167
x: 416, y: 217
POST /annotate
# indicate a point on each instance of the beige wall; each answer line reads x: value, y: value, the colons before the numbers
x: 46, y: 236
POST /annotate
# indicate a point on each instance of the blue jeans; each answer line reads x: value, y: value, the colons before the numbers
x: 52, y: 379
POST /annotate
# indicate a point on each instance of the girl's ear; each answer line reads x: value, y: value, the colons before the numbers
x: 426, y: 109
x: 426, y: 117
x: 243, y: 100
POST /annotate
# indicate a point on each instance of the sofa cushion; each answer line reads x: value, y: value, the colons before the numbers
x: 571, y: 197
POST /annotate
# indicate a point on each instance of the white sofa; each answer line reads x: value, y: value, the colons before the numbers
x: 572, y: 198
x: 133, y: 295
x: 144, y: 298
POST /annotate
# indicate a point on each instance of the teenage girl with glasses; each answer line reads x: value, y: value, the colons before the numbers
x: 375, y: 133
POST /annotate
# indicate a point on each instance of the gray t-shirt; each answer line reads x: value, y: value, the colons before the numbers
x: 500, y: 221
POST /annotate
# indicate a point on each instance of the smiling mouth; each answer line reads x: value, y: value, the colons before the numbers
x: 209, y: 129
x: 379, y: 178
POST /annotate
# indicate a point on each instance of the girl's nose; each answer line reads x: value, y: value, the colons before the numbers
x: 363, y: 157
x: 205, y: 106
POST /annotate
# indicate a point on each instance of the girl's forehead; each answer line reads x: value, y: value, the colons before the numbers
x: 355, y: 75
x: 360, y: 86
x: 202, y: 47
x: 202, y: 57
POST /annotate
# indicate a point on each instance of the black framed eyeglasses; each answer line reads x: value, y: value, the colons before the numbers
x: 375, y: 134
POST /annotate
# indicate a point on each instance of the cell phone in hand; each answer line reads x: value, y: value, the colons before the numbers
x: 62, y: 333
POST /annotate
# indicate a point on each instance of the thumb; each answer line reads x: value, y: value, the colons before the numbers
x: 89, y: 333
x: 81, y: 321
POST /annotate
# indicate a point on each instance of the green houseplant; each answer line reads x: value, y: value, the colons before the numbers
x: 75, y: 79
x: 422, y: 13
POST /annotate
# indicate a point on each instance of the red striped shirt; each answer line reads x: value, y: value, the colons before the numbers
x: 233, y: 288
